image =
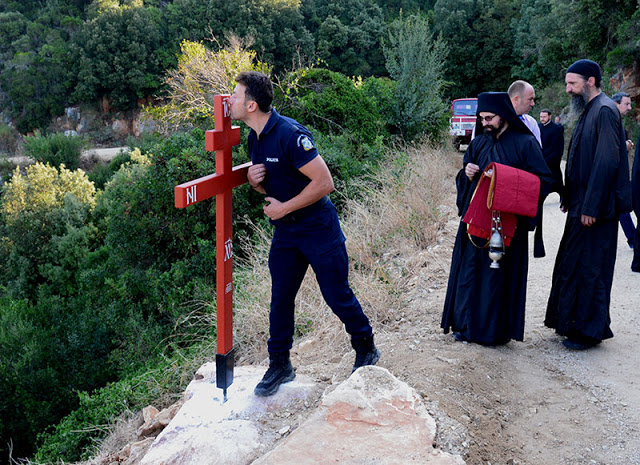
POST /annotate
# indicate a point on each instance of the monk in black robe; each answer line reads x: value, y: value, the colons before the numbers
x: 483, y: 304
x: 597, y: 191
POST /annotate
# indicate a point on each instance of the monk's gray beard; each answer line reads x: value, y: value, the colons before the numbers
x: 578, y: 103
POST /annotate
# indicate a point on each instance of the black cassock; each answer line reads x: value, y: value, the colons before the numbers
x: 487, y: 305
x: 552, y: 135
x: 597, y: 185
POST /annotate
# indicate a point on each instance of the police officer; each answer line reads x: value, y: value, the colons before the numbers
x: 296, y: 181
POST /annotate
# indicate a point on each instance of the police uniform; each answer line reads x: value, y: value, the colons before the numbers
x: 308, y: 236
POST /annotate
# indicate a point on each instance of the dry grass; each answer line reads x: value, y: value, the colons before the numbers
x: 400, y: 211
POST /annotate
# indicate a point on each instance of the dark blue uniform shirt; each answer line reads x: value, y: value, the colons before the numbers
x: 284, y: 146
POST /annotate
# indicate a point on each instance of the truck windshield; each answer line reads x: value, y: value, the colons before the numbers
x: 465, y: 107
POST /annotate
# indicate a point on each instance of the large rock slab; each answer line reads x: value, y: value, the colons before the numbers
x: 208, y: 431
x: 372, y: 418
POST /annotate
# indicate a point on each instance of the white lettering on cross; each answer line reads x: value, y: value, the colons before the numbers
x: 191, y: 194
x: 228, y: 249
x: 227, y: 110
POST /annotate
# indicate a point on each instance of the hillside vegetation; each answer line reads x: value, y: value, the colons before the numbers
x: 105, y: 288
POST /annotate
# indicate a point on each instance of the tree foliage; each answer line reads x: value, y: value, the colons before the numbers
x: 38, y: 209
x: 69, y: 51
x: 117, y: 56
x: 347, y: 34
x: 416, y: 63
x: 480, y: 47
x: 201, y: 74
x: 46, y: 237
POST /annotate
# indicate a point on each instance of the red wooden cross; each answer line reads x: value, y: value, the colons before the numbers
x: 221, y: 140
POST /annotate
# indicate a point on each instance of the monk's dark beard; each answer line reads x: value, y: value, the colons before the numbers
x: 495, y: 132
x: 579, y: 103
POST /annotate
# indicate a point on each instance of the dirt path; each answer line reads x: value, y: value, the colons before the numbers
x: 104, y: 155
x: 531, y: 402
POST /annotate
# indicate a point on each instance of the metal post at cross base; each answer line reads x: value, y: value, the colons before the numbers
x: 221, y: 140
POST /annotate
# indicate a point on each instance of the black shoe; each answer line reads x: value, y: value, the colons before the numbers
x: 459, y: 337
x: 366, y: 352
x: 575, y: 345
x: 280, y: 371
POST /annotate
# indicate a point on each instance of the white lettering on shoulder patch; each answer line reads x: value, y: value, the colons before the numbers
x: 305, y: 142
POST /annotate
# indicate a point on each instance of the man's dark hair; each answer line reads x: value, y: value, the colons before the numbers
x: 619, y: 96
x: 598, y: 82
x: 258, y: 88
x: 546, y: 110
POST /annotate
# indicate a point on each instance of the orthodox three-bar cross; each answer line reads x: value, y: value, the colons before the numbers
x: 221, y: 140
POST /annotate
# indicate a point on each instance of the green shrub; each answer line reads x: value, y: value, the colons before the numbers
x: 38, y: 210
x: 6, y: 170
x: 74, y: 438
x: 348, y: 160
x: 382, y: 92
x: 102, y: 173
x: 333, y: 104
x: 8, y: 140
x: 416, y: 62
x: 56, y: 149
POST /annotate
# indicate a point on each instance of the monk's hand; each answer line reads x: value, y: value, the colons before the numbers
x: 587, y: 220
x: 256, y: 174
x: 274, y: 209
x: 471, y: 170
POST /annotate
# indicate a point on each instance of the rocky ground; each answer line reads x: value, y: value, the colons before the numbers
x: 531, y: 402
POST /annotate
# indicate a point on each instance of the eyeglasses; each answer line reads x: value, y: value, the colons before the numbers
x: 487, y: 119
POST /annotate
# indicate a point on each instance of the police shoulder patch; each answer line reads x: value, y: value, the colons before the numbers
x: 305, y: 142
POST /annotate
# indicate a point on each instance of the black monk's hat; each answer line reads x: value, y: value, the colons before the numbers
x: 500, y: 104
x: 586, y: 68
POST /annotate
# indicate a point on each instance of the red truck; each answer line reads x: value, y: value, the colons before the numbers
x: 462, y: 121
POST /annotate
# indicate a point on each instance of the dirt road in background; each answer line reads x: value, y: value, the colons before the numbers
x: 104, y: 155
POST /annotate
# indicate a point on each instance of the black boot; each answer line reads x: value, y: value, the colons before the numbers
x: 366, y: 352
x: 280, y: 371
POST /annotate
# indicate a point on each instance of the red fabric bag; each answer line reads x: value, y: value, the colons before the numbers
x: 504, y: 189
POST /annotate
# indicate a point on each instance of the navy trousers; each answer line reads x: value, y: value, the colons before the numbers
x: 316, y: 240
x: 627, y: 226
x: 635, y: 263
